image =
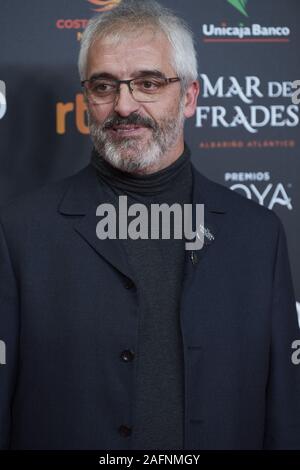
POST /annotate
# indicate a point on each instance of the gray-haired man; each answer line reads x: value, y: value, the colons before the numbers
x: 140, y: 343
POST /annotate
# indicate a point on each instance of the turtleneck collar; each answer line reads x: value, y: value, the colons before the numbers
x: 154, y: 183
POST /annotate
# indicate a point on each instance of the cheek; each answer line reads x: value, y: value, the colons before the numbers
x: 161, y: 111
x: 168, y: 112
x: 99, y: 113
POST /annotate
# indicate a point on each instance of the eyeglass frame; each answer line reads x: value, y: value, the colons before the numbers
x: 128, y: 83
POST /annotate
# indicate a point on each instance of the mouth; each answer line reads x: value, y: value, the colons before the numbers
x: 127, y: 130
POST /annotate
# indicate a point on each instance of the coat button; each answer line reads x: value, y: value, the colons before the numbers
x: 127, y: 355
x: 124, y: 431
x: 128, y: 283
x: 194, y: 257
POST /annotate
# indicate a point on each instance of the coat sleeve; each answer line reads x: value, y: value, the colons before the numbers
x: 282, y: 423
x: 9, y: 339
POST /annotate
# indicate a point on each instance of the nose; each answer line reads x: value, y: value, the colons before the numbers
x: 125, y: 104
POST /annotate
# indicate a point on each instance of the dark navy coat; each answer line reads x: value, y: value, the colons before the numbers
x: 69, y: 310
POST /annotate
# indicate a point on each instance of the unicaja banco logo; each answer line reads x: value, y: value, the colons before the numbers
x: 227, y: 32
x: 104, y: 5
x: 240, y: 5
x: 3, y: 105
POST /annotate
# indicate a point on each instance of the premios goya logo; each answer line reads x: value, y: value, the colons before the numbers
x: 104, y: 5
x: 3, y: 105
x: 240, y: 5
x: 259, y: 187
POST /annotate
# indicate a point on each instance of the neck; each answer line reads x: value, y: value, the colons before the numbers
x: 156, y: 182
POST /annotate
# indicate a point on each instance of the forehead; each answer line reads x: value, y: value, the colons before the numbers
x: 125, y: 57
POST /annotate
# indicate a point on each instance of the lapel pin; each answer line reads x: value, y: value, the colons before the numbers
x: 208, y: 235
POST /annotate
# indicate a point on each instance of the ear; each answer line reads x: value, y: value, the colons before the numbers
x: 190, y: 99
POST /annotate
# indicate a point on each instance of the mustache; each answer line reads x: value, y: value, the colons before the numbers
x: 133, y: 118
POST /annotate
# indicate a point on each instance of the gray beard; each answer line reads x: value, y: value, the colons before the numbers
x: 142, y: 156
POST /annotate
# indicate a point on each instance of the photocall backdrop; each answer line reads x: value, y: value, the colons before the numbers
x: 245, y: 134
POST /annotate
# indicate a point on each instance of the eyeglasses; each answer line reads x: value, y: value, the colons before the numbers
x: 143, y: 89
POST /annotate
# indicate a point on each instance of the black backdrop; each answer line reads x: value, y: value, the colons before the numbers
x: 246, y: 131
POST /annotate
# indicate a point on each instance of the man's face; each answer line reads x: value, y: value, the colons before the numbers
x: 136, y: 136
x: 153, y: 128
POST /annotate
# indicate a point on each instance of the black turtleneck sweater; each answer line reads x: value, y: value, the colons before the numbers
x: 158, y: 419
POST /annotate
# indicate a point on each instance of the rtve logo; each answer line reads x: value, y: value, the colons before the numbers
x: 3, y: 105
x: 70, y: 114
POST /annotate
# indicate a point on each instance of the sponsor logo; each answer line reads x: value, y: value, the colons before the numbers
x: 249, y: 115
x: 247, y: 144
x: 240, y: 5
x: 250, y: 184
x: 3, y: 105
x: 104, y: 5
x: 70, y: 114
x: 69, y: 24
x: 255, y: 33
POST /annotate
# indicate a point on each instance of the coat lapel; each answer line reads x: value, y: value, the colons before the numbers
x: 207, y: 192
x: 84, y: 194
x: 79, y: 204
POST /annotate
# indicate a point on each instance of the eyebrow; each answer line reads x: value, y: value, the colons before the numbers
x: 137, y: 74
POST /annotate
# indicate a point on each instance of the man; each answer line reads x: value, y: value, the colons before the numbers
x: 120, y: 343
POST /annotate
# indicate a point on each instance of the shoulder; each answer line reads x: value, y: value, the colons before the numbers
x: 40, y: 202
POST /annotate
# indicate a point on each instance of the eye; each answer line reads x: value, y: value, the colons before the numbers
x: 149, y: 84
x: 101, y: 87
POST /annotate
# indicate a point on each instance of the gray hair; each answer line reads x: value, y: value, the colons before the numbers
x: 134, y: 15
